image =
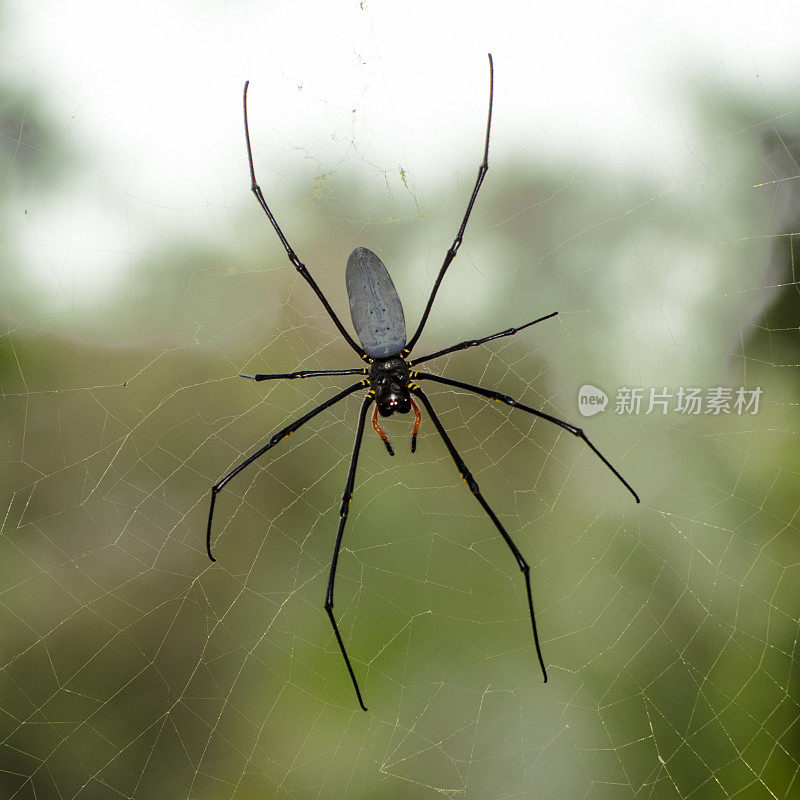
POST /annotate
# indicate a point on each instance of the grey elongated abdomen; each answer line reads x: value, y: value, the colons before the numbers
x: 374, y: 305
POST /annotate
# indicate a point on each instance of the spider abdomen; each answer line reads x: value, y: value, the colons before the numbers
x: 375, y: 306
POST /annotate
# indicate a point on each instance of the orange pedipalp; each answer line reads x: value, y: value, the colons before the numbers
x: 381, y: 432
x: 417, y: 421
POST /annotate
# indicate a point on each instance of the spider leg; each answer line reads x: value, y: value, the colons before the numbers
x: 504, y: 398
x: 451, y: 253
x: 296, y: 262
x: 475, y: 342
x: 344, y: 508
x: 306, y: 373
x: 281, y: 434
x: 473, y: 487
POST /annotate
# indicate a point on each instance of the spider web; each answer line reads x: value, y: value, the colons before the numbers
x: 132, y: 667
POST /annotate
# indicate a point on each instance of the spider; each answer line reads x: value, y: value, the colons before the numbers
x: 391, y: 383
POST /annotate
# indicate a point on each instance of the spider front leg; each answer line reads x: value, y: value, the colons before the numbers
x: 510, y: 401
x: 344, y: 508
x: 279, y: 436
x: 473, y: 487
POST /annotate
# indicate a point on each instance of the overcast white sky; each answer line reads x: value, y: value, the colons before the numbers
x: 601, y: 72
x: 152, y: 90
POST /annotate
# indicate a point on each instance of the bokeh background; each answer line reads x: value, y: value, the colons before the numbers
x: 643, y: 183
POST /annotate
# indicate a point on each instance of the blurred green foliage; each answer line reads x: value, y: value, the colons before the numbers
x: 132, y: 667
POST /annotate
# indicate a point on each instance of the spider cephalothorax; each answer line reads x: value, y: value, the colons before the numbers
x: 378, y: 319
x: 390, y: 386
x: 388, y: 378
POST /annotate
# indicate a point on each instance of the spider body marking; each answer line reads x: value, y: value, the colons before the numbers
x: 379, y: 322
